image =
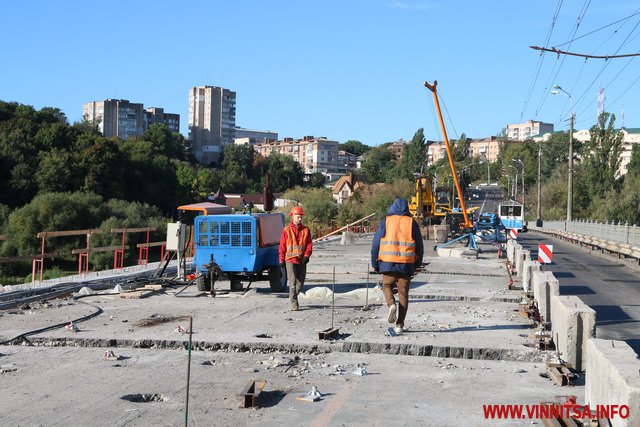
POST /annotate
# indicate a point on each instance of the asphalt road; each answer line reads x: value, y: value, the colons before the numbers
x: 603, y: 282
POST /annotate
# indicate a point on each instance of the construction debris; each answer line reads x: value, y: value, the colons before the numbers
x: 313, y: 396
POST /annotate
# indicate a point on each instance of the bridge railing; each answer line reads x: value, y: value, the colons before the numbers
x: 621, y: 233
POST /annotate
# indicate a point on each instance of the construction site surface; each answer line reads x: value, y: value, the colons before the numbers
x: 255, y: 362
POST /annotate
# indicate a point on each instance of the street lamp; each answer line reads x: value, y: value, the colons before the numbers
x: 539, y: 208
x: 514, y: 193
x: 521, y: 164
x: 570, y: 179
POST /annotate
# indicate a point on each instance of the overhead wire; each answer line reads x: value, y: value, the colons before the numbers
x: 553, y: 76
x: 536, y: 73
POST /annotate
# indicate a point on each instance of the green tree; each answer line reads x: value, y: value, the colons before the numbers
x: 413, y: 156
x: 237, y: 164
x: 317, y: 180
x: 602, y: 156
x: 319, y: 206
x: 354, y: 147
x: 56, y: 171
x: 633, y: 168
x: 461, y: 148
x: 378, y: 164
x: 284, y: 172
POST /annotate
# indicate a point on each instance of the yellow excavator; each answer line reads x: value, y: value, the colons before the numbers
x: 428, y: 206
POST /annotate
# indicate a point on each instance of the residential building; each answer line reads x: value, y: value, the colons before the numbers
x: 212, y: 121
x: 116, y: 117
x: 397, y: 148
x: 253, y: 137
x: 344, y: 188
x: 486, y: 148
x: 313, y: 154
x: 157, y: 115
x: 531, y: 128
x: 346, y: 161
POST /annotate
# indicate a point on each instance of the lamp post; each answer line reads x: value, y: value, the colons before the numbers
x: 514, y: 193
x: 570, y: 178
x: 521, y: 164
x: 539, y: 208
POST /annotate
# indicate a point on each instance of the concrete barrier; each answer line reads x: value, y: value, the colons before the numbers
x: 440, y: 233
x: 525, y: 255
x: 544, y: 285
x: 573, y: 323
x: 511, y: 248
x: 528, y: 267
x: 347, y: 238
x: 517, y: 249
x: 612, y: 378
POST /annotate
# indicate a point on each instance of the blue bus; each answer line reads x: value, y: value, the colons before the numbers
x: 512, y: 215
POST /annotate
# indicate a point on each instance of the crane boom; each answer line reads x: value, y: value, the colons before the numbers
x: 432, y: 88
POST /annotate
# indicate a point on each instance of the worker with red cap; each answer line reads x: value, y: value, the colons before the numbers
x: 294, y: 253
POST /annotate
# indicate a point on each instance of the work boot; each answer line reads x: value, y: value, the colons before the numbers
x: 399, y: 329
x: 295, y: 307
x: 393, y: 313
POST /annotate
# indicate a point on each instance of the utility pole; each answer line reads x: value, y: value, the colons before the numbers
x: 539, y: 210
x: 570, y: 184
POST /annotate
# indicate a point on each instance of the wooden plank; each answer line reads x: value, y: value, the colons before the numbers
x: 153, y: 287
x: 136, y: 294
x: 99, y: 249
x: 149, y: 245
x: 132, y: 230
x: 46, y: 234
x: 328, y: 334
x: 6, y: 260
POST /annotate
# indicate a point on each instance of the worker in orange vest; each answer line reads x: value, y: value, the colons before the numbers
x: 294, y: 253
x: 397, y: 253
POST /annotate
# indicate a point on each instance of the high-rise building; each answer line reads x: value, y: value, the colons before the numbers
x: 116, y: 117
x: 253, y: 137
x: 157, y: 115
x: 532, y: 128
x: 212, y: 121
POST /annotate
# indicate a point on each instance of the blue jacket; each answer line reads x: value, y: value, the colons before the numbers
x: 399, y: 207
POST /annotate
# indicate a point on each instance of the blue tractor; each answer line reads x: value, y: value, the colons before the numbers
x: 238, y: 248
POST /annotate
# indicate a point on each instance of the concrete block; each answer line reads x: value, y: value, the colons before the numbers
x: 517, y: 249
x: 440, y: 233
x: 347, y: 238
x: 612, y: 378
x: 573, y: 323
x: 544, y: 285
x: 527, y: 268
x: 525, y: 255
x: 511, y: 248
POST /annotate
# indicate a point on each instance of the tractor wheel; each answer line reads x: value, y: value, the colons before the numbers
x: 275, y: 279
x: 236, y: 284
x: 204, y: 283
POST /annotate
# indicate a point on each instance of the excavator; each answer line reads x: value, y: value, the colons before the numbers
x: 429, y: 206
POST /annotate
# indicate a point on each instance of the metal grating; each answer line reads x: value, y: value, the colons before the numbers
x: 246, y: 240
x: 224, y: 227
x: 203, y: 227
x: 235, y: 227
x: 246, y: 227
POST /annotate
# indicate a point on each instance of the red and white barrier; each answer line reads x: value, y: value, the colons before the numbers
x: 513, y: 234
x: 545, y: 253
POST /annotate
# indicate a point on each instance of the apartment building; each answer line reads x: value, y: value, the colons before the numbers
x: 124, y: 119
x: 313, y: 154
x: 486, y: 148
x: 157, y: 115
x: 253, y: 137
x: 630, y: 137
x: 212, y: 121
x: 531, y: 128
x: 116, y: 117
x: 397, y: 148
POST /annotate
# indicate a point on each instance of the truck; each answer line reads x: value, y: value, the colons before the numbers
x: 237, y: 247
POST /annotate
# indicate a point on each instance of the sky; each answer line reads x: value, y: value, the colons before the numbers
x: 343, y: 69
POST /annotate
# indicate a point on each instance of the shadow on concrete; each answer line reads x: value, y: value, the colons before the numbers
x: 269, y: 399
x: 576, y: 290
x: 611, y: 314
x: 635, y: 345
x: 563, y: 274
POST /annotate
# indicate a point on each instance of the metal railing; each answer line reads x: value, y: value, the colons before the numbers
x: 620, y: 233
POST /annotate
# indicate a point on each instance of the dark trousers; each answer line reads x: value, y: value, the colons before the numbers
x: 403, y: 283
x: 296, y: 274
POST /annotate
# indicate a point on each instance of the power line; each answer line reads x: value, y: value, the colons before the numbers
x: 598, y: 29
x: 562, y: 52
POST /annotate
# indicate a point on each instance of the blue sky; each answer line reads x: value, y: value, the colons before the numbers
x: 350, y: 69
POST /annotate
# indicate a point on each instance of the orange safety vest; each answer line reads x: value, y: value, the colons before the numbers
x: 397, y: 245
x: 295, y: 249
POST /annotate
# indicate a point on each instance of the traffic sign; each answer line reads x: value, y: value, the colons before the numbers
x: 545, y: 253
